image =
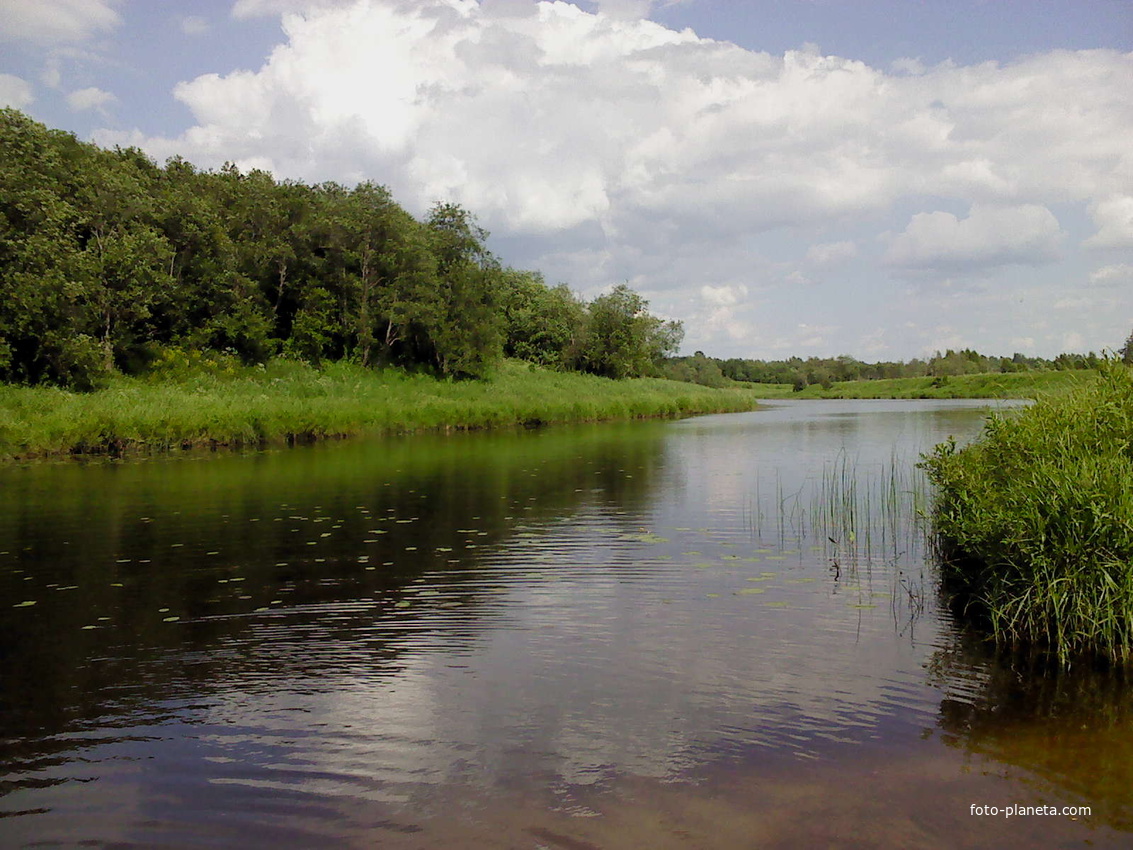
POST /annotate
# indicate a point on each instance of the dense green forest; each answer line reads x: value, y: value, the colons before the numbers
x: 110, y: 262
x: 825, y: 371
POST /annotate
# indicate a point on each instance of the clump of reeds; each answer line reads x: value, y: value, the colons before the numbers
x: 872, y: 510
x: 1034, y: 521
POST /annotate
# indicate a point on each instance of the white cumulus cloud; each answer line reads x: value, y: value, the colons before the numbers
x: 15, y: 91
x: 609, y: 147
x: 90, y: 98
x: 1114, y: 218
x: 988, y: 237
x: 543, y: 116
x: 49, y: 22
x: 722, y: 296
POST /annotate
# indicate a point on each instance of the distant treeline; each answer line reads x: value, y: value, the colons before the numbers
x: 825, y: 371
x: 108, y: 260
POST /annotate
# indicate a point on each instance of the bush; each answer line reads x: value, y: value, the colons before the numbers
x: 1034, y: 521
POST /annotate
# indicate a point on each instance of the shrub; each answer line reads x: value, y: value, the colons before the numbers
x: 1034, y: 520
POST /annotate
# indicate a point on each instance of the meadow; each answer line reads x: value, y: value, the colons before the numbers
x: 192, y: 399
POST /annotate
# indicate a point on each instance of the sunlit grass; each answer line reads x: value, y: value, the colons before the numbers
x: 219, y: 402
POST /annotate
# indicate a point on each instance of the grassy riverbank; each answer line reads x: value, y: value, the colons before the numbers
x: 1035, y: 521
x: 202, y: 402
x: 990, y: 385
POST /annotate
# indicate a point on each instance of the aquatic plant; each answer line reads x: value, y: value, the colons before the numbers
x: 1034, y: 521
x: 866, y: 513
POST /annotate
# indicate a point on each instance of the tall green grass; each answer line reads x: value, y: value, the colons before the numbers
x: 872, y: 511
x: 1034, y: 521
x: 217, y: 401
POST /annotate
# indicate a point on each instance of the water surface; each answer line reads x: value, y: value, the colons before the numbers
x: 716, y: 632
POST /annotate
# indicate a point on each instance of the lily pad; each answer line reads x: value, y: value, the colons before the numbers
x: 646, y: 537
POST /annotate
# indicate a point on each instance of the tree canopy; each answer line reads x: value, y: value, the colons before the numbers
x: 107, y: 258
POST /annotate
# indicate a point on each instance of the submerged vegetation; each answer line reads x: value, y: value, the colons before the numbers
x: 1035, y: 521
x: 192, y: 399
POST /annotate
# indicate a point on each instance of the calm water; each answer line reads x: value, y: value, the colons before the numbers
x: 719, y: 632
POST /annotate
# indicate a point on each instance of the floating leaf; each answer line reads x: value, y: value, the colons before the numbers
x: 647, y: 537
x: 26, y: 604
x: 170, y: 619
x: 749, y: 591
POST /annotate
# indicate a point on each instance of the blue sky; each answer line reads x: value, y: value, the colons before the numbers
x: 818, y: 177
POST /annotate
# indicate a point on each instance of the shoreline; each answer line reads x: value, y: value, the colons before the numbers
x: 219, y: 405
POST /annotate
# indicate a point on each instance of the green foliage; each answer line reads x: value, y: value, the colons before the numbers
x: 542, y: 325
x: 1035, y: 520
x: 106, y: 257
x: 103, y: 254
x: 697, y: 369
x: 841, y: 369
x: 622, y: 338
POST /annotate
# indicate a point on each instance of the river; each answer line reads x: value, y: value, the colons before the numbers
x: 717, y: 632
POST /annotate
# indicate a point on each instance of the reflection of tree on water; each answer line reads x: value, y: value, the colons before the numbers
x: 1070, y: 730
x: 167, y: 580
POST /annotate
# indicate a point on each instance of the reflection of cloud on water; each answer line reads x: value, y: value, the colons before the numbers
x: 598, y: 654
x: 592, y: 660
